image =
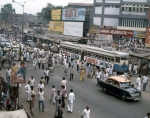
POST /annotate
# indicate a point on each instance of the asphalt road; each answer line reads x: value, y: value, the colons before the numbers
x: 86, y: 93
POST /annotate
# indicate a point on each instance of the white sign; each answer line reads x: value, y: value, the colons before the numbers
x: 73, y: 29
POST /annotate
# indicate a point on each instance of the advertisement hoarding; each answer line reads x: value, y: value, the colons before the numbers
x: 147, y: 39
x: 18, y: 72
x: 116, y: 32
x: 56, y: 27
x: 93, y: 30
x: 73, y: 29
x: 75, y: 14
x: 56, y: 14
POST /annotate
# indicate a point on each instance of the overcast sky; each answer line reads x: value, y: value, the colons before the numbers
x: 35, y: 6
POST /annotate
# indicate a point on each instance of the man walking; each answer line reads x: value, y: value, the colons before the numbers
x: 98, y: 76
x: 28, y: 91
x: 39, y: 62
x: 32, y: 82
x: 138, y: 82
x: 58, y: 99
x: 8, y: 74
x: 63, y: 82
x: 71, y: 98
x: 145, y: 81
x: 41, y: 99
x: 71, y: 73
x: 64, y: 93
x: 86, y: 113
x: 46, y: 72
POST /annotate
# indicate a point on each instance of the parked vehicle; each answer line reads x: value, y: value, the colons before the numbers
x: 121, y: 87
x: 30, y: 43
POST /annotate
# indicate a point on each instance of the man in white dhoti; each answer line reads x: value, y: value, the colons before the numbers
x: 71, y: 98
x: 138, y: 82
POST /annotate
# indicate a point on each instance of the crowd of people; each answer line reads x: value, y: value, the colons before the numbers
x: 124, y: 44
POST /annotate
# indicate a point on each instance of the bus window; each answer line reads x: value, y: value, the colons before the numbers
x: 112, y: 60
x: 118, y: 59
x: 96, y: 56
x: 85, y: 53
x: 124, y: 58
x: 100, y: 57
x: 105, y: 58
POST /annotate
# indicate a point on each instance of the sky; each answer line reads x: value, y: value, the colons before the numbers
x: 34, y: 6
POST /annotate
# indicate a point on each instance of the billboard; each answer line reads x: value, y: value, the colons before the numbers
x: 73, y: 29
x: 18, y: 72
x: 116, y: 32
x: 56, y: 27
x: 56, y: 14
x: 74, y: 14
x: 147, y: 39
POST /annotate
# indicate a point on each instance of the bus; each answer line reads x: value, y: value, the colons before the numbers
x: 96, y: 56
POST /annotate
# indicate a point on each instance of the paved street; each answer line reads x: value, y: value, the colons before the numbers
x: 86, y: 93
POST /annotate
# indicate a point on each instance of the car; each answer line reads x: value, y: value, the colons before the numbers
x: 121, y: 87
x: 3, y: 42
x: 30, y: 43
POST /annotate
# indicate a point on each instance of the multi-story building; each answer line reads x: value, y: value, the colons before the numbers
x: 89, y: 12
x: 126, y: 13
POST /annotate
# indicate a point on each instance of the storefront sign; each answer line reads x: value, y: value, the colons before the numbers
x: 147, y: 40
x: 93, y: 30
x: 116, y: 32
x: 141, y: 34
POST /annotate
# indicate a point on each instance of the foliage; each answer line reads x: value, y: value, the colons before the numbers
x: 6, y: 10
x: 45, y: 13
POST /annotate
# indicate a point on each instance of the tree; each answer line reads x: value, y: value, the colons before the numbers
x: 45, y: 13
x: 6, y: 11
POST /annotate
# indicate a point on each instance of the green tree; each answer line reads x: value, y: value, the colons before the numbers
x: 45, y: 13
x: 6, y: 10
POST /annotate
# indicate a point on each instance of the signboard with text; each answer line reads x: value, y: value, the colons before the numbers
x: 147, y: 39
x: 116, y: 32
x: 56, y: 27
x: 56, y: 14
x: 74, y: 14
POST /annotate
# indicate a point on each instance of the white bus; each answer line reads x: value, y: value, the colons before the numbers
x: 96, y: 56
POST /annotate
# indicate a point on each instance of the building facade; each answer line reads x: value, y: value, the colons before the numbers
x: 124, y: 13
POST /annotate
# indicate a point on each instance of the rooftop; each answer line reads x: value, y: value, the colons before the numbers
x: 119, y: 79
x: 80, y: 4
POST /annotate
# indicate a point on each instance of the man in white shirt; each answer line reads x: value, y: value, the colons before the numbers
x: 39, y: 62
x: 63, y: 82
x: 8, y: 74
x: 71, y: 98
x: 148, y: 115
x: 46, y: 72
x: 53, y: 62
x: 145, y: 81
x: 98, y: 76
x: 32, y: 82
x: 110, y: 71
x: 138, y: 82
x: 41, y: 99
x: 135, y: 69
x: 28, y: 91
x: 40, y: 86
x: 78, y: 61
x: 86, y: 113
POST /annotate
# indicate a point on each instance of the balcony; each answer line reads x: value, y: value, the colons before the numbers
x: 133, y: 13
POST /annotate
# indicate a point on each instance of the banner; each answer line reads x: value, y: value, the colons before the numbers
x: 116, y: 32
x: 141, y: 34
x: 56, y: 27
x: 75, y: 14
x: 18, y: 72
x: 56, y: 17
x: 56, y: 14
x: 147, y: 39
x: 93, y: 30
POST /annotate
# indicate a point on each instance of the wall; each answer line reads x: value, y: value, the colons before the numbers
x: 111, y: 21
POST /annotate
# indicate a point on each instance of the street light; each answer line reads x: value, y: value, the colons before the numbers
x: 22, y: 16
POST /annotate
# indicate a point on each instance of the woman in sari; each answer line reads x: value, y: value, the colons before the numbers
x: 82, y: 73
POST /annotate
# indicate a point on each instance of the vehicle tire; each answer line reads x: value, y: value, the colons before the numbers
x: 104, y: 90
x: 123, y: 97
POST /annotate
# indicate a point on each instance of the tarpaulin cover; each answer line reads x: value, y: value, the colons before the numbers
x: 13, y: 114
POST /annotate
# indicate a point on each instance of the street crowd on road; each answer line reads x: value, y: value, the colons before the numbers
x: 48, y: 61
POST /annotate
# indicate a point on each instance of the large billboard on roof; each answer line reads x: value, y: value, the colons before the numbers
x: 73, y: 29
x: 56, y: 14
x: 56, y: 27
x: 74, y: 14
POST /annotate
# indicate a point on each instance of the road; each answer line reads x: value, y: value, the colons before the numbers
x: 87, y: 93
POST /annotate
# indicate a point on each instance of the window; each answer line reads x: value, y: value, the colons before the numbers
x: 110, y: 81
x: 116, y: 84
x: 118, y: 59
